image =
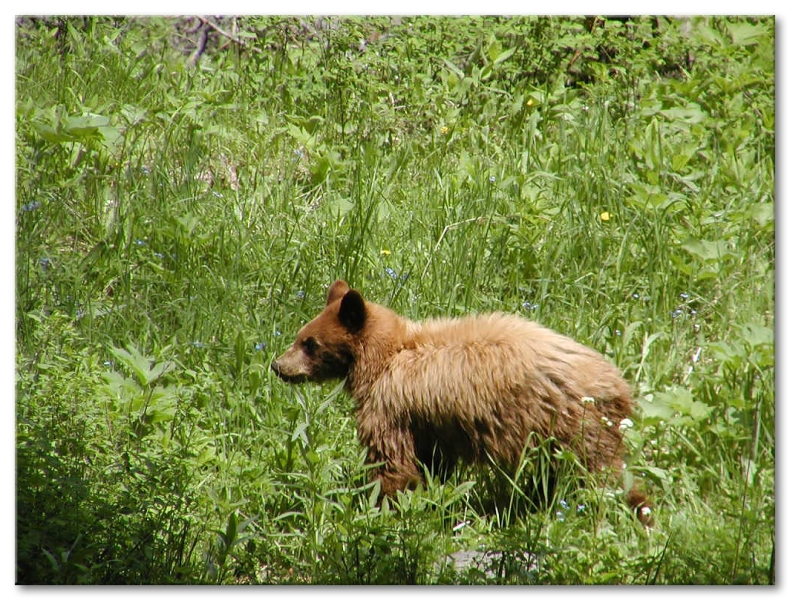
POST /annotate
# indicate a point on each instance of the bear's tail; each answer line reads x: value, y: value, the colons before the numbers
x: 640, y: 504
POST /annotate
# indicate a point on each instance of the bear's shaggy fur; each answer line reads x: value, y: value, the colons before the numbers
x: 471, y: 389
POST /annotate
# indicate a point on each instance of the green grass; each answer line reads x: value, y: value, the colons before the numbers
x: 177, y: 223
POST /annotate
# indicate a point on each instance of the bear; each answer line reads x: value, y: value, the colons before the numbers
x: 477, y: 389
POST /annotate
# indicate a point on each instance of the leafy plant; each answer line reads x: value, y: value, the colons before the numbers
x: 187, y: 187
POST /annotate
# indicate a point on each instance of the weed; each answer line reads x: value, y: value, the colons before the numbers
x: 186, y: 188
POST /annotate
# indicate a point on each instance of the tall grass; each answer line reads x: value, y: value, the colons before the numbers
x: 178, y: 220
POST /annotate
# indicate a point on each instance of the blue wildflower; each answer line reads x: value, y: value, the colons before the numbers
x: 31, y: 206
x: 260, y: 346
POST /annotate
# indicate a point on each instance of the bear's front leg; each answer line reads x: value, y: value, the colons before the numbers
x: 400, y: 469
x: 392, y: 481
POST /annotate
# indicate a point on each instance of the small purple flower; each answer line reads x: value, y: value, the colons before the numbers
x: 45, y: 263
x: 260, y: 346
x: 391, y: 272
x: 31, y: 206
x: 300, y: 294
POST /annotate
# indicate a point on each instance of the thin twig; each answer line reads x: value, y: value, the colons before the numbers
x: 233, y: 39
x: 193, y: 60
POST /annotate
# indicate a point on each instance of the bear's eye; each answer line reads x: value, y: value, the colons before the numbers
x: 310, y: 345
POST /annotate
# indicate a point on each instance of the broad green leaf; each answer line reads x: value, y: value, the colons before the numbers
x: 138, y: 364
x: 681, y: 402
x: 142, y: 367
x: 762, y: 213
x: 707, y: 251
x: 746, y: 34
x: 688, y: 115
x: 653, y: 411
x: 454, y: 69
x: 86, y: 125
x: 756, y: 335
x: 50, y: 134
x: 504, y: 56
x: 340, y: 207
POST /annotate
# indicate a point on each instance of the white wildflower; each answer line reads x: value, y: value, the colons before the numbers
x: 626, y: 424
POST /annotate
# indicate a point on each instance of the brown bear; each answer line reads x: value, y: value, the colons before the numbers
x: 474, y: 389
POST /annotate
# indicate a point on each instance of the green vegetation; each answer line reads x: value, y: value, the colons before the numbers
x: 180, y: 213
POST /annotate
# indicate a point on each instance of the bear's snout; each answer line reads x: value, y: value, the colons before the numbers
x: 285, y: 370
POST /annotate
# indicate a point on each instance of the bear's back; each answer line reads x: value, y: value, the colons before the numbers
x: 481, y: 365
x: 497, y: 341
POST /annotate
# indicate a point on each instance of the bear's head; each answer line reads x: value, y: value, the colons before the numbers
x: 325, y: 348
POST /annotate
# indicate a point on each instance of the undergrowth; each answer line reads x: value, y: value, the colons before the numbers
x: 179, y: 214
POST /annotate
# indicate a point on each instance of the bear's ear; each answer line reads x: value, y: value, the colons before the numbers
x: 353, y: 313
x: 337, y: 290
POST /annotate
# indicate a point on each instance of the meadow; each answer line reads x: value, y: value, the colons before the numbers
x: 187, y: 189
